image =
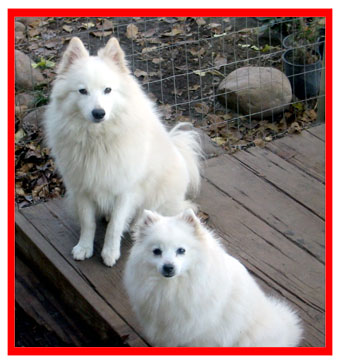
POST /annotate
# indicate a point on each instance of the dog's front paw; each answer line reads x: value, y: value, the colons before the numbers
x: 110, y: 257
x: 79, y: 252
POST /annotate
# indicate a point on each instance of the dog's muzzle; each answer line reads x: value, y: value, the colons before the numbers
x: 98, y: 115
x: 168, y: 270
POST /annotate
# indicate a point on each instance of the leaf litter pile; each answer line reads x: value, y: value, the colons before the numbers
x: 179, y: 61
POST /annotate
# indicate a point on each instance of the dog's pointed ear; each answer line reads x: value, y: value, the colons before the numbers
x: 113, y: 52
x: 189, y: 217
x: 74, y: 51
x: 149, y: 218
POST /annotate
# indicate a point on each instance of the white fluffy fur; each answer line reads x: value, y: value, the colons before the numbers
x: 123, y: 164
x: 211, y: 300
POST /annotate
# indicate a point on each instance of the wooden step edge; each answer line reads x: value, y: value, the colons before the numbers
x: 73, y: 289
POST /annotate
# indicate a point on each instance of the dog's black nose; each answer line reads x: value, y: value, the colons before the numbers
x: 98, y: 114
x: 168, y: 270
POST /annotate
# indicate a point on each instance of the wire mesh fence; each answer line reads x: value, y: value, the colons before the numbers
x: 243, y: 81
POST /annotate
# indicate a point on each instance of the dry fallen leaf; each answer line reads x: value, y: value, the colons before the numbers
x: 194, y: 87
x: 200, y: 73
x: 309, y: 116
x: 34, y: 32
x: 87, y: 25
x: 20, y: 110
x: 68, y: 28
x: 19, y: 135
x: 131, y: 31
x: 148, y: 49
x: 198, y: 53
x: 202, y: 108
x: 24, y: 169
x: 259, y: 143
x: 200, y: 21
x: 184, y: 119
x: 294, y: 128
x: 140, y: 73
x: 220, y: 60
x: 51, y: 44
x: 101, y: 34
x: 169, y: 20
x: 174, y: 31
x: 149, y: 33
x: 157, y: 60
x: 215, y: 27
x: 219, y: 140
x: 107, y: 25
x: 215, y: 119
x: 19, y: 190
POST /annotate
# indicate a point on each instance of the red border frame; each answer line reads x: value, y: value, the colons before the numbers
x: 12, y: 13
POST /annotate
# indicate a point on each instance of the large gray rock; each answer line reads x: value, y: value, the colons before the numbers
x: 19, y: 27
x: 256, y: 90
x: 26, y: 77
x: 25, y: 99
x: 20, y: 30
x: 27, y: 20
x: 33, y: 120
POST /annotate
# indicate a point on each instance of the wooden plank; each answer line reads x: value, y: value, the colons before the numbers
x: 318, y: 131
x: 63, y: 234
x: 106, y: 281
x: 43, y: 308
x: 285, y: 176
x: 268, y: 203
x: 283, y: 266
x: 44, y: 249
x: 305, y: 151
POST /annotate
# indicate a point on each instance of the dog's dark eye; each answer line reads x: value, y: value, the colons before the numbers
x: 83, y: 91
x: 107, y: 90
x: 180, y: 251
x: 157, y: 252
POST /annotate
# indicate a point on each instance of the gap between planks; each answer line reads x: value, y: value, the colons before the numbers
x: 265, y: 201
x: 305, y: 151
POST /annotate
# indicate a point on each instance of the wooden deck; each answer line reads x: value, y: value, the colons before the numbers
x: 268, y: 207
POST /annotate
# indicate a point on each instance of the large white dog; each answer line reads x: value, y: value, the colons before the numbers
x: 187, y: 291
x: 114, y: 154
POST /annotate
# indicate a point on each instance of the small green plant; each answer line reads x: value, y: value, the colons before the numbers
x: 304, y: 39
x: 41, y: 98
x: 308, y: 30
x: 44, y: 63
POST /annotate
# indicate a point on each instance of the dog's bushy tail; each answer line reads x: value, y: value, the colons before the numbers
x: 188, y: 143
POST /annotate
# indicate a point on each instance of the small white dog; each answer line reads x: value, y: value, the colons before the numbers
x: 187, y: 291
x: 114, y: 154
